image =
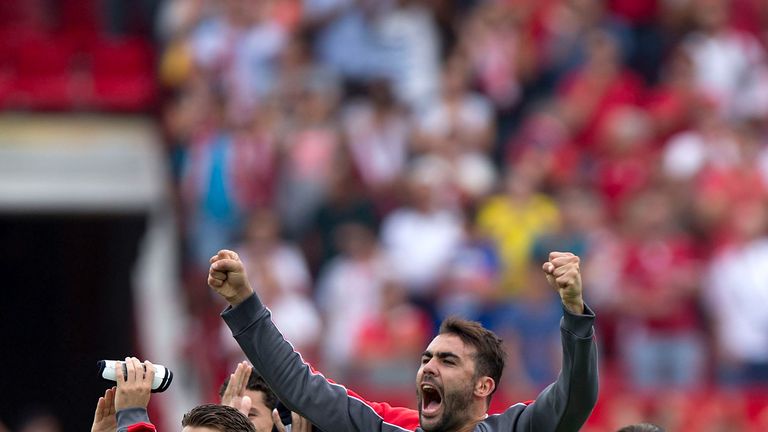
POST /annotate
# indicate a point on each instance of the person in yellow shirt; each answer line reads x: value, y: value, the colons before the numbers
x: 513, y: 221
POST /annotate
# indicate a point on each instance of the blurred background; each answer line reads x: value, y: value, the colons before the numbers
x: 380, y: 165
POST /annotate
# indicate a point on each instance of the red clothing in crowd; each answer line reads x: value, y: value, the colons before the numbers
x: 634, y: 11
x: 656, y: 274
x: 593, y: 99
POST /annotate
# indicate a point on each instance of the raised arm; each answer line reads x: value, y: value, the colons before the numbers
x: 132, y: 396
x: 324, y: 404
x: 566, y: 404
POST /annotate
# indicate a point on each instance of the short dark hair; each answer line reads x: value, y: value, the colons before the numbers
x: 490, y: 356
x: 255, y: 383
x: 641, y: 427
x: 219, y: 417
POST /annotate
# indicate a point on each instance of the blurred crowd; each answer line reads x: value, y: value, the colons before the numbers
x: 382, y: 164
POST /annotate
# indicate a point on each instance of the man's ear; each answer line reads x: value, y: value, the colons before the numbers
x: 484, y: 386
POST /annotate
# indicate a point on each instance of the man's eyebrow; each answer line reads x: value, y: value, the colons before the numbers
x: 442, y: 355
x: 447, y: 354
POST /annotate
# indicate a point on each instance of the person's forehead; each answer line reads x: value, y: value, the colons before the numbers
x: 257, y: 399
x: 451, y: 343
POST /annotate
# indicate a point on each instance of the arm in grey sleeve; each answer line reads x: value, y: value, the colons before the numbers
x: 566, y: 404
x: 131, y: 416
x: 325, y: 405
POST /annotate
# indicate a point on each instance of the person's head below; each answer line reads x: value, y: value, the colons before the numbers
x: 460, y: 371
x: 215, y: 418
x: 263, y: 401
x: 641, y: 427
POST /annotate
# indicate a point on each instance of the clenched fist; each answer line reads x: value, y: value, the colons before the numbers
x: 563, y: 274
x: 227, y: 277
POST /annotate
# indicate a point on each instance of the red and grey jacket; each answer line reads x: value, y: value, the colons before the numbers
x: 134, y: 420
x: 563, y: 406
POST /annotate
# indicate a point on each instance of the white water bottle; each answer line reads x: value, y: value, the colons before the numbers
x: 163, y: 375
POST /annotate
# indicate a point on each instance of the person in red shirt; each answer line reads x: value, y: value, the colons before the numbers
x: 590, y: 94
x: 659, y: 278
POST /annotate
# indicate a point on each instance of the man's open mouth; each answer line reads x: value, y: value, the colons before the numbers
x: 431, y: 400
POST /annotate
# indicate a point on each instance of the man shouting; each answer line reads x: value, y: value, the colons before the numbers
x: 460, y: 369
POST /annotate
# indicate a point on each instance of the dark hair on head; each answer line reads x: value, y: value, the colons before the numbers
x: 219, y: 417
x: 641, y: 427
x: 255, y: 383
x: 490, y: 356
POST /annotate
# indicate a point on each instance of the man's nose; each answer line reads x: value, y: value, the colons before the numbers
x: 430, y: 367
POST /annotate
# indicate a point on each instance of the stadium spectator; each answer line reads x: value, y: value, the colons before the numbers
x: 729, y: 182
x: 591, y: 92
x: 660, y: 335
x: 408, y: 32
x: 388, y: 339
x: 625, y: 157
x: 282, y: 275
x: 456, y: 111
x: 671, y: 104
x: 236, y: 47
x: 345, y: 40
x: 421, y: 238
x: 297, y: 74
x: 471, y: 282
x: 735, y: 292
x: 348, y: 203
x: 501, y: 55
x: 730, y: 65
x: 565, y: 32
x: 311, y: 149
x: 513, y: 220
x: 709, y: 141
x: 376, y: 131
x: 208, y: 181
x: 356, y: 278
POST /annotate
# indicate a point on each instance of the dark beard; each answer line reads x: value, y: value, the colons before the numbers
x: 455, y: 410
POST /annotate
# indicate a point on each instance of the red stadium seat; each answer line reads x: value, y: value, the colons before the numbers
x: 80, y: 16
x: 123, y: 74
x: 10, y: 37
x: 43, y: 73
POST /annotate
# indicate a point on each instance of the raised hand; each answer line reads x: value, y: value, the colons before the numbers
x: 227, y: 277
x: 234, y: 395
x: 564, y: 276
x: 298, y: 423
x: 104, y: 419
x: 133, y: 390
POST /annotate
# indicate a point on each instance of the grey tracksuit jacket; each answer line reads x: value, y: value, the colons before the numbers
x: 563, y: 406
